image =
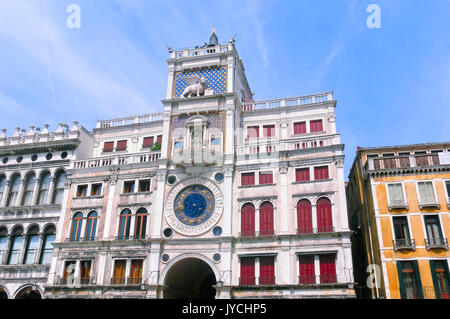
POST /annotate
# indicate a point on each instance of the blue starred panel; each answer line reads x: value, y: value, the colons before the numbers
x: 216, y: 120
x: 194, y: 205
x: 215, y: 79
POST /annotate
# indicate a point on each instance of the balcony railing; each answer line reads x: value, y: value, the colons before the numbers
x: 118, y: 160
x: 430, y: 293
x: 118, y: 281
x: 316, y: 230
x: 257, y: 281
x: 130, y: 120
x: 404, y: 244
x: 74, y: 281
x: 397, y: 162
x: 317, y: 279
x: 436, y: 243
x: 287, y: 102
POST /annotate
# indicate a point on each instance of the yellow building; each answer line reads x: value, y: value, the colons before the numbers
x: 398, y: 204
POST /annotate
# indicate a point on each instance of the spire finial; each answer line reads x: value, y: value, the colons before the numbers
x: 213, y: 29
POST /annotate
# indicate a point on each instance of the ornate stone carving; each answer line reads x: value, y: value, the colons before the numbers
x: 197, y: 86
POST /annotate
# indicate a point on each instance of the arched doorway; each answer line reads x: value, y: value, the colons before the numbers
x: 190, y: 278
x: 3, y: 294
x: 29, y: 293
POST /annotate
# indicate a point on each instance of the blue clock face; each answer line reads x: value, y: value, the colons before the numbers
x: 194, y: 205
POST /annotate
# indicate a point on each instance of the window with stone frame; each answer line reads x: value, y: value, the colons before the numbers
x: 396, y: 194
x: 426, y: 193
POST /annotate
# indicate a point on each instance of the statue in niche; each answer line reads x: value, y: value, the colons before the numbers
x: 197, y: 86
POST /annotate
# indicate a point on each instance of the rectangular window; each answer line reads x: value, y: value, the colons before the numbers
x: 441, y: 278
x: 401, y: 229
x: 447, y: 185
x: 316, y: 126
x: 433, y: 227
x: 302, y: 174
x: 269, y: 130
x: 119, y: 272
x: 247, y: 179
x: 421, y: 158
x: 307, y: 271
x: 215, y: 140
x: 121, y: 145
x: 108, y: 147
x: 128, y: 187
x: 247, y: 271
x: 148, y: 142
x: 178, y: 143
x: 327, y: 268
x: 253, y: 132
x: 321, y: 172
x: 300, y: 128
x: 395, y: 194
x: 389, y: 160
x: 409, y: 278
x: 267, y: 270
x: 69, y: 272
x: 96, y: 189
x: 82, y: 190
x: 426, y: 193
x: 85, y: 271
x: 144, y: 185
x: 265, y: 178
x: 159, y: 139
x: 136, y: 272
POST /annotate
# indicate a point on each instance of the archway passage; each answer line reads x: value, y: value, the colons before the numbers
x: 190, y: 278
x: 3, y: 294
x: 28, y: 293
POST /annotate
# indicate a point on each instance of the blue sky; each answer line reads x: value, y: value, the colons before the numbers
x: 392, y: 84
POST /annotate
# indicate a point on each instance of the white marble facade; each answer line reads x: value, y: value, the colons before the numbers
x: 117, y: 177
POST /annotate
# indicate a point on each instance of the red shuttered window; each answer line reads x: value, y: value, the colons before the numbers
x: 148, y: 142
x: 316, y: 126
x: 266, y: 219
x: 248, y: 220
x: 247, y: 271
x: 324, y: 216
x: 328, y: 268
x: 300, y: 128
x: 267, y: 270
x: 302, y: 174
x: 108, y: 147
x: 266, y: 178
x: 247, y: 179
x: 321, y: 172
x: 304, y: 217
x: 306, y: 271
x: 122, y: 145
x: 252, y: 131
x: 269, y: 130
x: 159, y: 139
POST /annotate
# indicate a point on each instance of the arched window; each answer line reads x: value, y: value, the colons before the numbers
x: 77, y: 222
x: 47, y: 247
x: 2, y: 186
x: 59, y: 188
x: 91, y: 226
x: 304, y: 217
x: 324, y: 216
x: 43, y: 188
x: 13, y: 190
x: 141, y: 223
x: 16, y: 246
x: 266, y: 219
x: 3, y: 243
x: 248, y: 220
x: 124, y: 226
x: 28, y: 190
x: 32, y: 245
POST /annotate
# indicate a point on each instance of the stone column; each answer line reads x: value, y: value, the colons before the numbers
x: 18, y: 200
x: 6, y: 193
x: 22, y: 249
x: 109, y: 206
x: 4, y: 260
x: 159, y: 206
x: 284, y: 200
x: 35, y: 191
x: 39, y: 249
x: 51, y: 187
x: 314, y: 216
x: 228, y: 201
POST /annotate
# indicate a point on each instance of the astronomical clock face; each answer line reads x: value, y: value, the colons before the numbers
x: 194, y: 206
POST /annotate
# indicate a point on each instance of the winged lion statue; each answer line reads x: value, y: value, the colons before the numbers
x: 197, y: 86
